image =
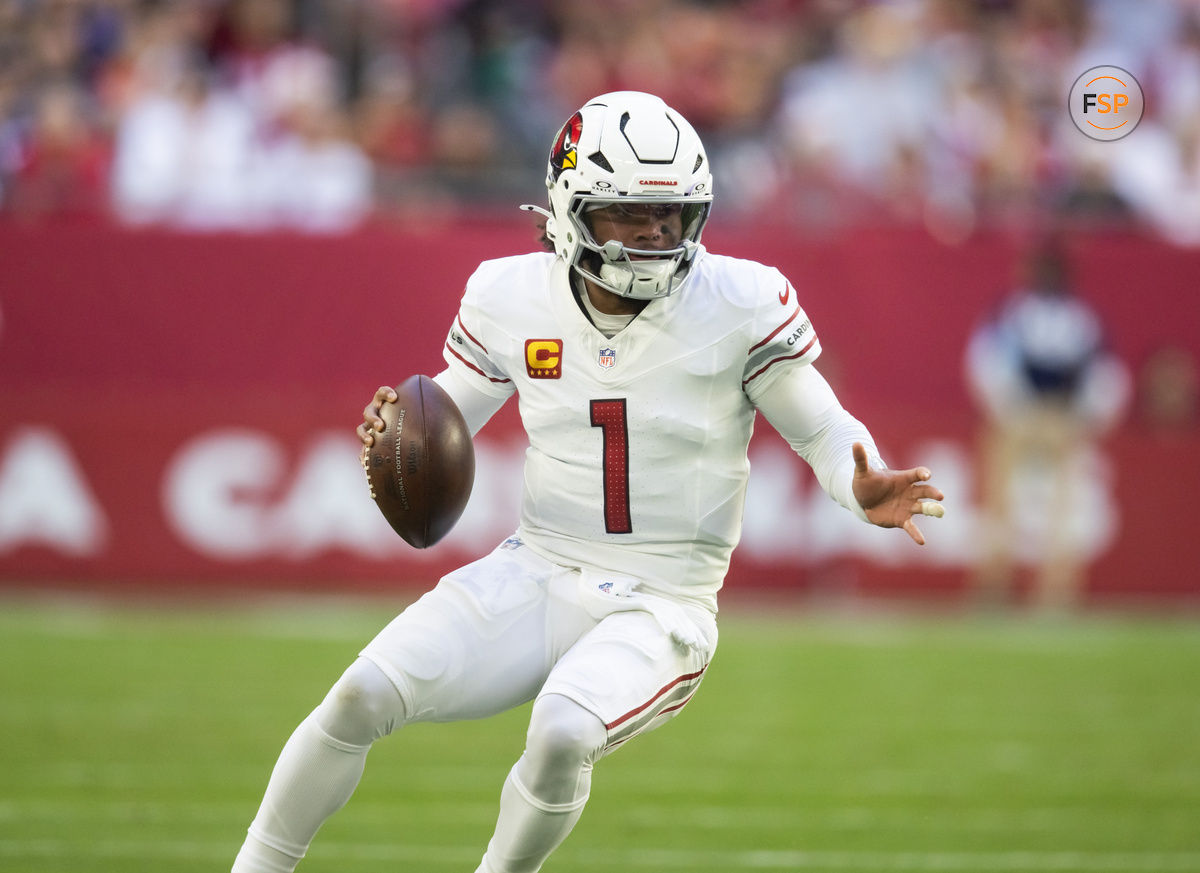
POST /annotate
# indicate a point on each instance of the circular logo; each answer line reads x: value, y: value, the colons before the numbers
x: 1106, y: 103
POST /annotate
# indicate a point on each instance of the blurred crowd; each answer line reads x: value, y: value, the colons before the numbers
x: 319, y: 114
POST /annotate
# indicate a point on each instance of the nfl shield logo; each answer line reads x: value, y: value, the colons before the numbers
x: 607, y: 358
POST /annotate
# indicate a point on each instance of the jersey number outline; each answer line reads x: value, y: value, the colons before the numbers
x: 610, y: 417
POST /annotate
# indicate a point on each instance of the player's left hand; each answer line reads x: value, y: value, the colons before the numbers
x: 893, y: 498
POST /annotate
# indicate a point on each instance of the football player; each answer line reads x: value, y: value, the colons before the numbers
x: 639, y: 361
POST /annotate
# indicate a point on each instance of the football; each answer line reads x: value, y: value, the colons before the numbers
x: 422, y: 466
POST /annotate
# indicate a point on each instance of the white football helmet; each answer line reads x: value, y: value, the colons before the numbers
x: 627, y: 149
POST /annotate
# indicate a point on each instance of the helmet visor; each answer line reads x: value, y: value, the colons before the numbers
x: 678, y: 219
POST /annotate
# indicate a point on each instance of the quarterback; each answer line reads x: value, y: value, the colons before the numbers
x: 639, y: 361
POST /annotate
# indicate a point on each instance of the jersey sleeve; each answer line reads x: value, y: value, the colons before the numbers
x: 476, y: 406
x: 466, y: 350
x: 800, y: 405
x: 782, y: 336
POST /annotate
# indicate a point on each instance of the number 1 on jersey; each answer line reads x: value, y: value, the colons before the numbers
x: 609, y: 416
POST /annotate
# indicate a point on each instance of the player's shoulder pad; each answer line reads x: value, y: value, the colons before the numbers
x: 744, y: 283
x: 498, y: 279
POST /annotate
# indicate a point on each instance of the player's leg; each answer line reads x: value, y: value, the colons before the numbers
x: 319, y: 768
x: 1060, y: 578
x: 1001, y: 446
x: 545, y: 791
x: 473, y: 646
x: 623, y: 678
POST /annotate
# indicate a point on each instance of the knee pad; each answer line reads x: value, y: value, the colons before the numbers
x: 563, y: 742
x: 362, y: 706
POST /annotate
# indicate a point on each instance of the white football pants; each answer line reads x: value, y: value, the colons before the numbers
x: 604, y: 668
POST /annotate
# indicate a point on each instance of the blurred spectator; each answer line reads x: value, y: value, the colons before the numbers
x: 947, y: 113
x: 862, y: 114
x: 63, y: 167
x: 393, y: 130
x: 185, y: 156
x: 1160, y: 176
x: 314, y: 178
x: 1048, y: 389
x: 257, y: 139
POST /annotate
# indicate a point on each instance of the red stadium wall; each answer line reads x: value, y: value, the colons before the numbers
x: 178, y: 410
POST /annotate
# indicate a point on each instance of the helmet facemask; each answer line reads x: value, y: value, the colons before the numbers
x: 625, y: 269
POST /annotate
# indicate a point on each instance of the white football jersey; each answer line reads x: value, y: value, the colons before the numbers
x: 637, y: 460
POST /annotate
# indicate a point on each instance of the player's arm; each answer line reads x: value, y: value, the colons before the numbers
x: 473, y: 378
x: 801, y: 405
x: 476, y: 406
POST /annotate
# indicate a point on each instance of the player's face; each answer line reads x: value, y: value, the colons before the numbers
x: 653, y: 226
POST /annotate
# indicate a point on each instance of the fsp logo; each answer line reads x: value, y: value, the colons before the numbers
x: 1106, y: 103
x: 543, y: 358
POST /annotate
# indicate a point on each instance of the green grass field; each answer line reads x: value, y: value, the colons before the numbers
x: 141, y: 739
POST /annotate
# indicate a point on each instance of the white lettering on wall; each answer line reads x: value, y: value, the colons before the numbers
x: 216, y: 490
x: 327, y: 505
x: 239, y: 494
x: 45, y: 499
x: 235, y: 495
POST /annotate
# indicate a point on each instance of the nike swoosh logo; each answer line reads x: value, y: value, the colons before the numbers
x: 784, y: 294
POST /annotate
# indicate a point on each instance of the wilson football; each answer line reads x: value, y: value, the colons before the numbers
x: 421, y: 468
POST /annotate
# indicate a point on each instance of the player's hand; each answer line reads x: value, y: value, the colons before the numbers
x: 893, y: 498
x: 372, y: 423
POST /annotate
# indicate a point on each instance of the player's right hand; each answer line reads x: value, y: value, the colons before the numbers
x: 372, y: 423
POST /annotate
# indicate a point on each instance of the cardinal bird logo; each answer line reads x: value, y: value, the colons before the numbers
x: 562, y: 155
